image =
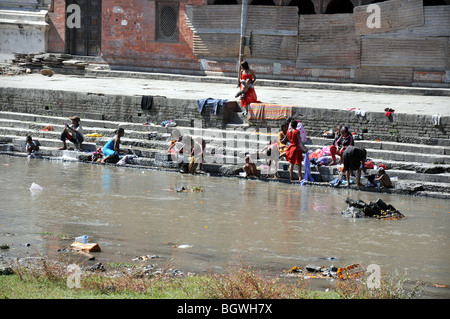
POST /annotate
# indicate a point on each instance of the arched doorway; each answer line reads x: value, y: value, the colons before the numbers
x: 304, y: 6
x: 262, y: 3
x: 434, y: 3
x: 225, y: 2
x: 339, y: 6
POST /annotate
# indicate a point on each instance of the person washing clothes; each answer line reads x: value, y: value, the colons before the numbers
x: 294, y: 152
x: 354, y: 159
x: 383, y: 178
x: 32, y: 146
x: 111, y: 150
x: 250, y: 167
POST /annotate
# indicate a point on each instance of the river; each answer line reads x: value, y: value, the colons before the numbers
x: 135, y: 212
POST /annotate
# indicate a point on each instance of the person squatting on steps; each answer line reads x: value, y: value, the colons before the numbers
x: 74, y: 133
x: 32, y: 146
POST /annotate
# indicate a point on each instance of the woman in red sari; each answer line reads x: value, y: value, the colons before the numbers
x: 250, y: 95
x: 294, y: 153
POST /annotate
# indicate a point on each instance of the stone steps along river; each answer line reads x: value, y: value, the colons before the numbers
x: 426, y: 164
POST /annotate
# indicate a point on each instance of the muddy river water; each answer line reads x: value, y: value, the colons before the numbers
x: 134, y: 212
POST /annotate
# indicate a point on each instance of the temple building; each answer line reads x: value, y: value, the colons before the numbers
x: 395, y: 42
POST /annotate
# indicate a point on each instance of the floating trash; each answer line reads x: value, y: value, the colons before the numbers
x: 182, y: 246
x: 36, y: 188
x: 183, y: 189
x: 144, y: 257
x: 173, y: 245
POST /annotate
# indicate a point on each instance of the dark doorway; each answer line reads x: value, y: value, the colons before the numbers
x: 86, y: 39
x: 304, y: 6
x: 225, y: 2
x: 434, y: 3
x: 262, y: 3
x: 339, y: 6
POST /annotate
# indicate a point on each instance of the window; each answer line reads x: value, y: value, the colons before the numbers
x: 167, y: 21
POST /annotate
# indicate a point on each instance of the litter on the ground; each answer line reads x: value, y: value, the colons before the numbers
x: 353, y: 271
x: 87, y: 247
x: 144, y: 257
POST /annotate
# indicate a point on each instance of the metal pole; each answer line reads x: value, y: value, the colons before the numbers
x: 243, y: 31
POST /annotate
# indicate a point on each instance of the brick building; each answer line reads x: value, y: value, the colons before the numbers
x: 307, y: 40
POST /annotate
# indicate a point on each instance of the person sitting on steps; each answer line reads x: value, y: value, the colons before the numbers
x: 341, y: 144
x: 73, y: 133
x: 111, y: 150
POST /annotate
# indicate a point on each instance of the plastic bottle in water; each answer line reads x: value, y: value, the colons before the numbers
x: 82, y: 239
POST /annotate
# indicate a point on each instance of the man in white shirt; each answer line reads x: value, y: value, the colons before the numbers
x: 73, y: 133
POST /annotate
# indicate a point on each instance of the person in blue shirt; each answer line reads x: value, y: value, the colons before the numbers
x: 111, y: 150
x: 32, y: 146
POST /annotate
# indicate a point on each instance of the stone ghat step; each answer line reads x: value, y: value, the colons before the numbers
x: 154, y: 157
x: 219, y: 146
x: 389, y: 146
x: 216, y: 138
x: 140, y: 131
x: 407, y: 187
x: 403, y: 160
x: 414, y: 174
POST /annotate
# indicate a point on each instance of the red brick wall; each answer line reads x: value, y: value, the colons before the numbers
x: 128, y: 36
x: 57, y: 34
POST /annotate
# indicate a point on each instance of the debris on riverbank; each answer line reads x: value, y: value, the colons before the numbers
x: 378, y: 209
x: 353, y: 271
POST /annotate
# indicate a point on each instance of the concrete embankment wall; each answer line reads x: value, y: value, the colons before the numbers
x: 373, y: 125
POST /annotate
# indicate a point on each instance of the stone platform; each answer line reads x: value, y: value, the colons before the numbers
x: 409, y: 141
x: 414, y: 170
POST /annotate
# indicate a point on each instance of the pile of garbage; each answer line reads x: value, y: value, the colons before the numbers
x: 378, y: 209
x: 353, y: 271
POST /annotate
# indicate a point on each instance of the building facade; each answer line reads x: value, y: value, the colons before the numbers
x: 395, y: 42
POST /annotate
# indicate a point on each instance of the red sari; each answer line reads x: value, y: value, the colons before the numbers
x: 294, y: 153
x: 250, y: 96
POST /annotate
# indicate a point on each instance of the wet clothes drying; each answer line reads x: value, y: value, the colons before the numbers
x: 210, y: 102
